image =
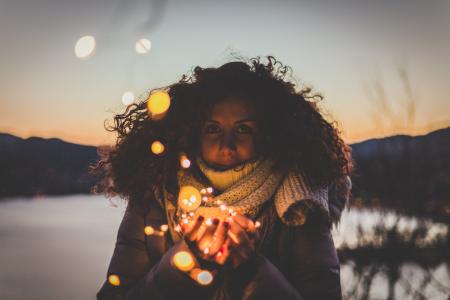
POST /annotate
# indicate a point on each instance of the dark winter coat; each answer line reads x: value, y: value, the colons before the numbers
x: 293, y: 262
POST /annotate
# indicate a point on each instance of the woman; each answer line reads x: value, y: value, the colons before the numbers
x: 272, y: 160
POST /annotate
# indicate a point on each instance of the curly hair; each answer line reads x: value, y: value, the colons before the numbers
x: 295, y: 134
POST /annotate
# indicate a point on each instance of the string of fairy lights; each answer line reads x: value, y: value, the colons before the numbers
x: 191, y: 201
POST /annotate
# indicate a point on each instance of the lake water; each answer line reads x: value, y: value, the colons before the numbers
x: 60, y: 247
x: 56, y: 248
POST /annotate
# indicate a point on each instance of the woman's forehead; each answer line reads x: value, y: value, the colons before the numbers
x: 235, y: 108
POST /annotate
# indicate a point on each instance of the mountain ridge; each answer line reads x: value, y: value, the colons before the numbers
x: 411, y: 173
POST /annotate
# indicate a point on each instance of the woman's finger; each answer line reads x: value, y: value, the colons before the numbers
x: 206, y: 241
x: 195, y: 231
x: 248, y: 225
x: 219, y: 237
x: 190, y: 226
x: 237, y: 234
x: 198, y: 234
x: 223, y: 254
x: 244, y: 222
x: 241, y: 244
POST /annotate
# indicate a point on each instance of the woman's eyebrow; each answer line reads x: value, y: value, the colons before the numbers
x: 246, y: 120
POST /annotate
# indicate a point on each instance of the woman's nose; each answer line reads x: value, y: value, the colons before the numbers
x: 228, y: 142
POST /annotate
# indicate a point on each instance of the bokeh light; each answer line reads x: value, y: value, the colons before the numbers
x: 157, y: 147
x: 204, y: 277
x: 114, y: 280
x: 189, y: 198
x: 128, y: 98
x: 158, y: 103
x: 143, y: 46
x: 184, y: 161
x: 85, y: 47
x: 149, y: 230
x: 183, y: 260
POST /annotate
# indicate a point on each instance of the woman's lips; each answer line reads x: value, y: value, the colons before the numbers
x: 228, y: 161
x: 225, y: 165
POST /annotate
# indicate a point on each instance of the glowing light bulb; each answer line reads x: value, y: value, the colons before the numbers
x: 257, y: 224
x: 164, y: 227
x: 191, y: 193
x: 204, y: 277
x: 208, y: 222
x: 183, y: 260
x: 209, y: 190
x: 157, y: 147
x: 128, y: 98
x: 158, y: 102
x: 203, y: 191
x: 205, y: 198
x: 184, y: 161
x: 149, y: 230
x: 231, y: 212
x: 85, y: 47
x: 143, y: 46
x: 114, y: 280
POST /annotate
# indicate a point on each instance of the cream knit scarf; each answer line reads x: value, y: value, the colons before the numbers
x: 291, y: 195
x: 221, y: 180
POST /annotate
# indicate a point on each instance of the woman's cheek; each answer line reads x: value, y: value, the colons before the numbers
x: 209, y: 148
x: 246, y: 148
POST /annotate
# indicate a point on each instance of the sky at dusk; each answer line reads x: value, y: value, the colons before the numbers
x: 346, y: 50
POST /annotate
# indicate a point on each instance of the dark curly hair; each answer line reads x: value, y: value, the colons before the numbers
x: 295, y: 134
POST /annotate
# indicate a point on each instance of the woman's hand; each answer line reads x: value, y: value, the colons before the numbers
x: 207, y: 238
x: 216, y: 241
x: 242, y: 237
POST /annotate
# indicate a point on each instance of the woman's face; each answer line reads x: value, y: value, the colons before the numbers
x: 230, y: 133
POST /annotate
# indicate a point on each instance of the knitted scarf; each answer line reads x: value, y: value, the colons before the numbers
x: 292, y: 197
x: 223, y: 179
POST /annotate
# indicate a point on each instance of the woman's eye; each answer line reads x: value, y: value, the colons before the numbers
x: 244, y: 129
x: 212, y: 129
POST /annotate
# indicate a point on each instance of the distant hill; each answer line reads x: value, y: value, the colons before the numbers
x: 411, y: 174
x: 37, y: 166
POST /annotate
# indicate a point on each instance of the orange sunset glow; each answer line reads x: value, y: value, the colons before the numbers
x: 380, y: 74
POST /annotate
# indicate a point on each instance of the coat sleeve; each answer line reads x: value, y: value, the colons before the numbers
x: 314, y: 268
x: 140, y: 277
x: 311, y: 269
x: 263, y: 280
